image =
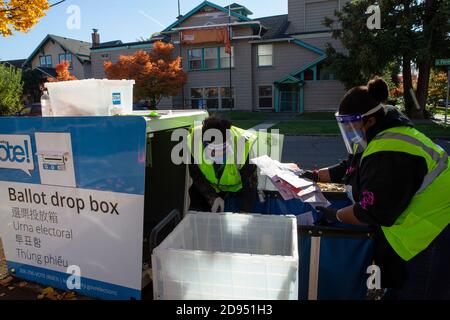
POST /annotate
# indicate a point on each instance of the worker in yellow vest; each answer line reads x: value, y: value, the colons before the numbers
x: 220, y: 166
x: 399, y: 181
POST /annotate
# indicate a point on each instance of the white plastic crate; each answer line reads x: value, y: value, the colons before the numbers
x: 91, y: 97
x: 228, y: 257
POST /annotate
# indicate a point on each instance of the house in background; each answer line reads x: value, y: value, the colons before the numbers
x: 112, y: 50
x: 54, y: 49
x: 276, y: 62
x: 18, y: 63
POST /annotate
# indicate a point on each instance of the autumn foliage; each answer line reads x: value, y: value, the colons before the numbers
x: 62, y: 73
x: 20, y: 15
x: 157, y: 74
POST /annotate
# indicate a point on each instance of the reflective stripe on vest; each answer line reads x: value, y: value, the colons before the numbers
x: 429, y: 210
x: 440, y: 159
x: 230, y: 180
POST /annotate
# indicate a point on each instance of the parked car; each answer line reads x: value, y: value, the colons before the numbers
x: 31, y: 110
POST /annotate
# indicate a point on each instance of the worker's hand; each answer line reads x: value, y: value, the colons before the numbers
x: 218, y: 205
x: 328, y: 214
x: 311, y: 175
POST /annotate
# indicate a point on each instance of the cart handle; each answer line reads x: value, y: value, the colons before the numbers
x: 173, y: 215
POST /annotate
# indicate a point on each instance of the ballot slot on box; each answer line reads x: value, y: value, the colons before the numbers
x: 55, y: 158
x: 54, y: 161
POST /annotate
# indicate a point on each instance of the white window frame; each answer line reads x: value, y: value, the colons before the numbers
x: 196, y: 59
x: 66, y: 55
x: 46, y: 56
x: 265, y: 55
x: 40, y: 61
x: 233, y: 97
x: 219, y: 96
x: 272, y: 97
x: 226, y: 57
x: 51, y: 60
x: 216, y: 57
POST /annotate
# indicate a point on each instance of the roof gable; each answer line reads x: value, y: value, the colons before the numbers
x: 80, y: 49
x: 200, y: 7
x: 239, y: 8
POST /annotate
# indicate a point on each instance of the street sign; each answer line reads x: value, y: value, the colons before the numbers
x: 443, y: 62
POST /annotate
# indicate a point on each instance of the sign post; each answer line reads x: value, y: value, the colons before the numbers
x: 445, y: 62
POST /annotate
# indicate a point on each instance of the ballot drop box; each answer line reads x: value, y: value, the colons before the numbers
x: 79, y: 197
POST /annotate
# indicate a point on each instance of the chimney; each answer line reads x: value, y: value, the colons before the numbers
x: 95, y: 38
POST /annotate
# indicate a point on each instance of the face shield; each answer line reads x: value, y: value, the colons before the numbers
x: 352, y: 130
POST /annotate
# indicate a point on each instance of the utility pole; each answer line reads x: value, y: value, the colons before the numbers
x: 231, y: 53
x: 181, y: 54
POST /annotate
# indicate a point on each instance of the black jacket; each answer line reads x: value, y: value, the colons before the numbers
x: 383, y: 185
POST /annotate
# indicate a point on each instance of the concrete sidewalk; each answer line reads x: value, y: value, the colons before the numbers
x: 264, y: 126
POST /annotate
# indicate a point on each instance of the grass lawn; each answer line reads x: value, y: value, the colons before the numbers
x: 322, y: 123
x: 441, y: 111
x: 329, y: 127
x: 308, y: 127
x: 434, y: 130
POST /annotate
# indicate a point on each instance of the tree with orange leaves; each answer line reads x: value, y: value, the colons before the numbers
x: 20, y: 15
x: 62, y: 73
x: 157, y: 73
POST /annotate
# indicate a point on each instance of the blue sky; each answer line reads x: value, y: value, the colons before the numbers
x: 116, y: 19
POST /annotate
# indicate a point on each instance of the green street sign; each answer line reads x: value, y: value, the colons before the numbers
x: 443, y: 62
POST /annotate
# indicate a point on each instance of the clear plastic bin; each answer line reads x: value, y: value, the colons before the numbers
x: 228, y: 257
x: 91, y: 97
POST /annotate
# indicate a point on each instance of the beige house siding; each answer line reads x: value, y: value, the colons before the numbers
x: 241, y: 74
x: 308, y: 15
x: 288, y: 57
x: 296, y: 16
x: 201, y: 19
x: 323, y: 95
x: 54, y: 49
x: 320, y: 41
x: 316, y: 11
x: 240, y: 31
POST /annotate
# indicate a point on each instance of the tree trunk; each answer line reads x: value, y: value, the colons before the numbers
x: 425, y: 61
x: 407, y: 85
x: 422, y: 87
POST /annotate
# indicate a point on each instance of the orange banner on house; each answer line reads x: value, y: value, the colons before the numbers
x: 200, y: 36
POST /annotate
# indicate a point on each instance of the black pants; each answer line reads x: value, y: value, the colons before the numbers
x: 427, y: 275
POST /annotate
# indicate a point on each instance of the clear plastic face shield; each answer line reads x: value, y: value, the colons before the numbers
x: 352, y: 130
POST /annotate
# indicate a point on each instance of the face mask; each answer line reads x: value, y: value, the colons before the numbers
x: 218, y: 153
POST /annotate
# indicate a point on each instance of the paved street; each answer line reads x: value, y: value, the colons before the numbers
x: 316, y: 152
